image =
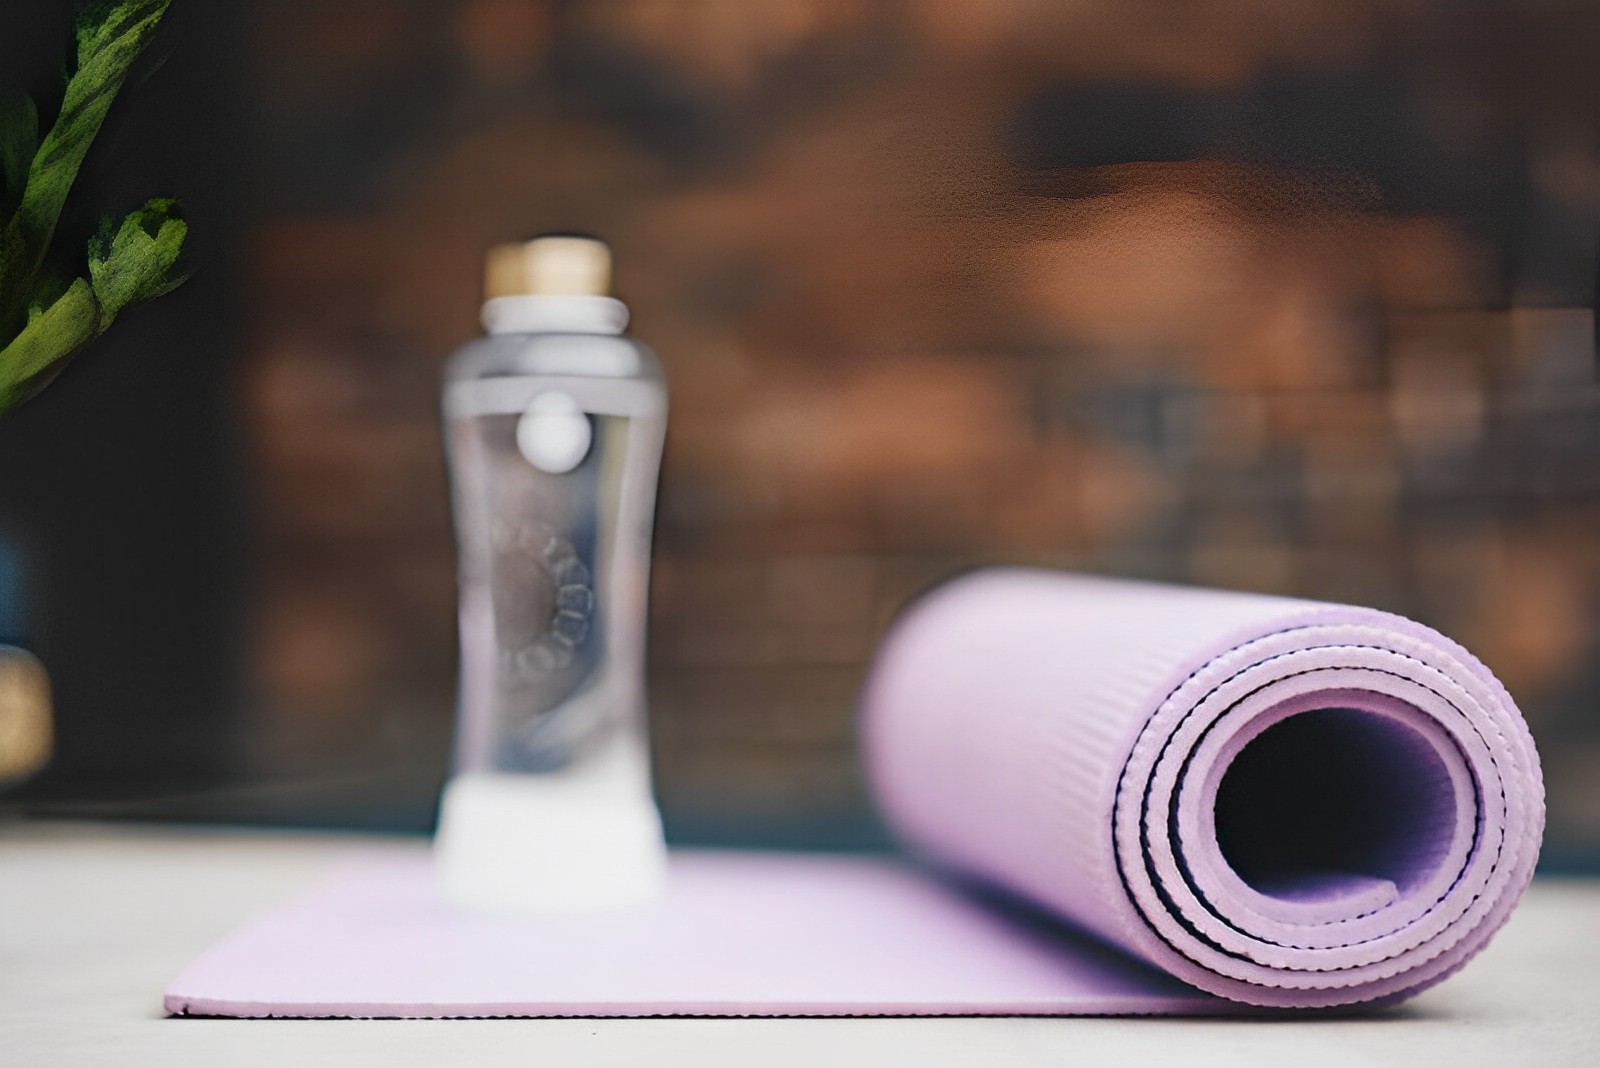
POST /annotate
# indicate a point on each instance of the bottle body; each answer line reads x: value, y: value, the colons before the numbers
x: 554, y: 551
x: 554, y: 441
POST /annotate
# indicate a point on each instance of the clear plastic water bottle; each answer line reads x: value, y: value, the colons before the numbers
x: 554, y: 424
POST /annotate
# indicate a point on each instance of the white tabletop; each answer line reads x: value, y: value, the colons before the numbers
x: 95, y: 920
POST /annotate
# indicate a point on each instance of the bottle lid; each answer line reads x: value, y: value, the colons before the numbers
x: 549, y: 265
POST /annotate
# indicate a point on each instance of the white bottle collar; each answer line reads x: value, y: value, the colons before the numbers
x: 551, y: 314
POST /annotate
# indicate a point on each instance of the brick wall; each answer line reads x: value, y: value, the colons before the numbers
x: 1271, y: 297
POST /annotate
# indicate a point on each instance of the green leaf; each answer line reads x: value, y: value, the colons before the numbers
x: 46, y: 314
x: 137, y: 260
x: 51, y: 338
x: 108, y: 43
x: 19, y: 138
x: 100, y: 24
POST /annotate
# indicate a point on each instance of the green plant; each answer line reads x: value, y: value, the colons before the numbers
x: 54, y: 302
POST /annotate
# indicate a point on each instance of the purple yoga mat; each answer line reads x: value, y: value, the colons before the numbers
x: 1280, y: 802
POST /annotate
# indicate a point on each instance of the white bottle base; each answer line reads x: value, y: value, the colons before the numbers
x: 547, y: 843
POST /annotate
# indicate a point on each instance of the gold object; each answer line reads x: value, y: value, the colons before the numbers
x: 552, y: 265
x: 24, y: 714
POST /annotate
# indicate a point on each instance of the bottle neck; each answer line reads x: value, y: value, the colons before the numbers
x: 548, y: 314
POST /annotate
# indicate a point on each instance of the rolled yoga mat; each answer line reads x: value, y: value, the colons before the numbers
x: 1282, y: 802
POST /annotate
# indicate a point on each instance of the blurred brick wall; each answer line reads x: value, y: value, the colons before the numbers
x: 1283, y: 297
